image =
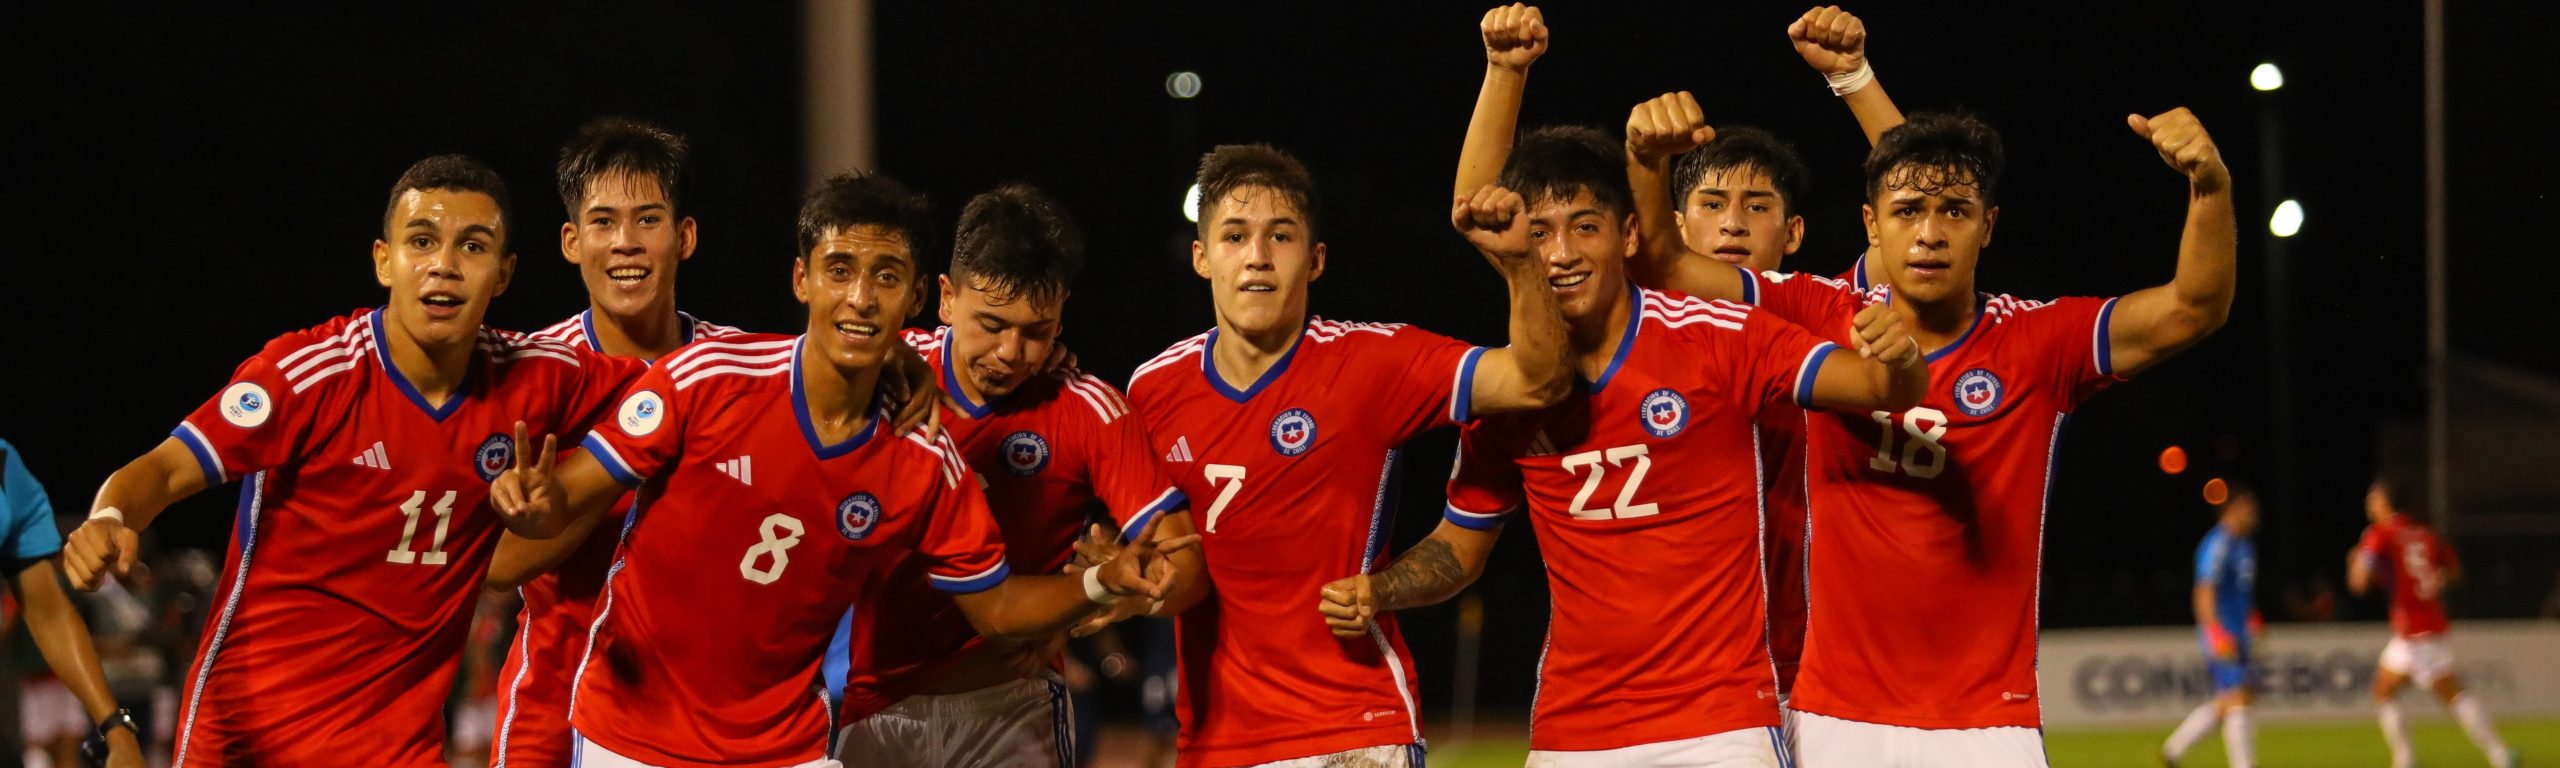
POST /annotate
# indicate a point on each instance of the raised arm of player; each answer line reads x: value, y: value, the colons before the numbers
x: 2151, y: 324
x: 1032, y: 607
x: 1515, y: 36
x: 1432, y: 571
x: 543, y: 499
x: 1834, y: 43
x: 107, y: 543
x: 1657, y: 130
x: 1536, y: 370
x: 1887, y: 373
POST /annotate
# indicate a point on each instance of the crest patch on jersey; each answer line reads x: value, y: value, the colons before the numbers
x: 1977, y: 392
x: 495, y: 455
x: 856, y: 514
x: 1665, y: 412
x: 1293, y: 432
x: 1025, y: 453
x: 246, y: 405
x: 641, y: 413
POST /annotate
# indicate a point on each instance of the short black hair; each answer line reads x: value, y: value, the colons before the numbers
x: 1235, y: 166
x: 858, y: 198
x: 2401, y: 494
x: 457, y: 173
x: 629, y: 147
x: 1932, y: 151
x: 1560, y: 161
x: 1016, y: 242
x: 1744, y: 148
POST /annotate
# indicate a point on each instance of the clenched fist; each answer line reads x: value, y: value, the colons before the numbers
x: 2184, y: 144
x: 1515, y: 36
x: 1832, y: 41
x: 1666, y: 125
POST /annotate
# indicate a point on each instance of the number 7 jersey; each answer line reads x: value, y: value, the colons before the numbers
x: 1291, y: 480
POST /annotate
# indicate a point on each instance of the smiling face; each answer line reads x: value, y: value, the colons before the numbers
x: 443, y: 255
x: 1259, y: 255
x: 1927, y: 228
x: 1586, y: 249
x: 627, y: 240
x: 859, y: 282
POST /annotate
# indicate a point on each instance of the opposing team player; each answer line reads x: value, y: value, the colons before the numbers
x: 1288, y: 427
x: 364, y: 448
x: 1936, y: 665
x: 80, y: 710
x: 2227, y: 625
x: 2419, y: 567
x: 777, y: 451
x: 1641, y: 486
x: 923, y: 688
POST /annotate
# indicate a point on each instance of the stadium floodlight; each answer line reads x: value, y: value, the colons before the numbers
x: 1182, y: 85
x: 1191, y: 204
x: 2287, y: 219
x: 2266, y: 77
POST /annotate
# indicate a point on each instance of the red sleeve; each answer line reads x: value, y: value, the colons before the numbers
x: 263, y: 417
x: 1484, y: 480
x: 920, y: 339
x: 1426, y: 380
x: 1119, y: 457
x: 961, y: 549
x: 645, y: 432
x: 589, y: 394
x: 2072, y: 334
x: 1777, y: 360
x: 1822, y: 305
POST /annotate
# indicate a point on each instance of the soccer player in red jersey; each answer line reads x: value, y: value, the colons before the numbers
x: 922, y: 687
x: 777, y: 451
x: 1287, y: 428
x: 1936, y: 664
x: 624, y: 184
x: 1642, y: 488
x: 2418, y: 566
x: 364, y: 448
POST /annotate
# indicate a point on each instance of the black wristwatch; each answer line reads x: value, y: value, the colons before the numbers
x: 93, y: 752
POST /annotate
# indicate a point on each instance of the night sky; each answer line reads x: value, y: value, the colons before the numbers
x: 198, y: 181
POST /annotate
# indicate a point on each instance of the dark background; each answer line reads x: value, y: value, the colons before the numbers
x: 191, y: 182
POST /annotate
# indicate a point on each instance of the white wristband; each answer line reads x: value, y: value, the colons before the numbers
x: 1093, y: 587
x: 1851, y: 81
x: 108, y: 513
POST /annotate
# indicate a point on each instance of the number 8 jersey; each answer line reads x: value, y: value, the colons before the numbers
x: 1928, y: 525
x: 362, y: 536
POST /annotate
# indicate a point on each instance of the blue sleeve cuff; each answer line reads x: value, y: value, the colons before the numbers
x: 1462, y: 399
x: 611, y: 461
x: 1805, y: 372
x: 1171, y: 498
x: 1750, y: 286
x: 2104, y: 357
x: 1474, y: 521
x: 970, y: 585
x: 206, y: 459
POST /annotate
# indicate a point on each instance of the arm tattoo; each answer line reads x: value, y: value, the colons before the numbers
x: 1426, y: 574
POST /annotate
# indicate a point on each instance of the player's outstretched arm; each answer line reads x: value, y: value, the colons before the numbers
x: 1432, y: 571
x: 1834, y: 43
x: 108, y: 542
x: 1886, y: 373
x: 1033, y: 607
x: 543, y: 498
x: 519, y: 559
x: 1186, y: 572
x: 2221, y: 641
x: 63, y: 638
x: 2151, y: 324
x: 1536, y: 370
x: 1515, y: 36
x: 1658, y: 129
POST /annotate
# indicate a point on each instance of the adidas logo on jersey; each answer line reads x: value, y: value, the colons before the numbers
x: 1181, y: 450
x: 741, y: 469
x: 374, y: 457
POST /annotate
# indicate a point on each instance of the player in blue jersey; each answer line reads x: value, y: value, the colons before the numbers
x: 2227, y: 624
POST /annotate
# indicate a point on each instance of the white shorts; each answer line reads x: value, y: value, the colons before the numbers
x: 588, y: 754
x: 47, y: 712
x: 2423, y: 659
x: 1012, y: 725
x: 1381, y: 756
x: 1746, y: 748
x: 1830, y: 742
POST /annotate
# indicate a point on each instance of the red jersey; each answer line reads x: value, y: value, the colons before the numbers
x: 750, y: 540
x: 1298, y: 469
x: 362, y: 536
x: 1928, y: 525
x: 1044, y: 453
x: 1651, y: 534
x: 551, y: 631
x: 2415, y: 561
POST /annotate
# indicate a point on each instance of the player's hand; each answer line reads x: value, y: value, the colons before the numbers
x: 1060, y: 360
x: 1348, y: 606
x: 2184, y: 144
x: 1666, y: 125
x: 124, y: 750
x: 1882, y: 337
x: 99, y: 547
x: 1832, y: 41
x: 1129, y: 569
x: 526, y: 496
x: 1495, y: 221
x: 1515, y: 36
x: 911, y: 383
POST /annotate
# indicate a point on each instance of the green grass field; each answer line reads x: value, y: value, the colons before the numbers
x: 2440, y: 745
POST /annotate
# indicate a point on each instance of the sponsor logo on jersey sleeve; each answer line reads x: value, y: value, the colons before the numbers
x: 246, y: 405
x: 641, y: 413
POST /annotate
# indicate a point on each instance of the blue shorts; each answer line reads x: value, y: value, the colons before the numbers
x: 2230, y: 674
